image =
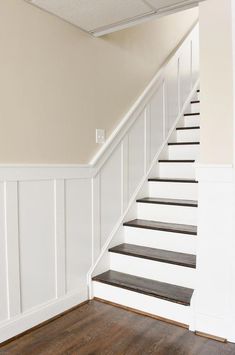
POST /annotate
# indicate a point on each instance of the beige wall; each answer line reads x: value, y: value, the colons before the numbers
x: 58, y: 84
x: 216, y: 66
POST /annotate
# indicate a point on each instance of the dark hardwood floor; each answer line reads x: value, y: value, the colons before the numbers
x: 100, y: 329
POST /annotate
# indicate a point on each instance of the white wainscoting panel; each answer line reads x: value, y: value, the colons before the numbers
x: 157, y: 115
x: 3, y: 259
x: 172, y: 94
x: 185, y: 67
x: 136, y: 156
x: 110, y: 193
x: 37, y: 243
x: 78, y: 232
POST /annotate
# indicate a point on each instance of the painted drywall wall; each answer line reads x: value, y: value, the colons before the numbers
x: 216, y: 68
x: 58, y: 84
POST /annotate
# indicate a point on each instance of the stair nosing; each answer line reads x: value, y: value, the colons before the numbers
x: 152, y: 258
x: 143, y: 291
x: 195, y: 102
x: 180, y: 181
x: 187, y: 128
x: 192, y: 114
x: 169, y: 202
x: 176, y: 161
x: 183, y: 143
x: 176, y: 230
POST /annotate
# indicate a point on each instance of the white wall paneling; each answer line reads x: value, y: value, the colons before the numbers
x: 56, y: 222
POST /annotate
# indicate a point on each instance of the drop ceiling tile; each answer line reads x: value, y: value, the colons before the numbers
x: 94, y: 14
x: 160, y: 4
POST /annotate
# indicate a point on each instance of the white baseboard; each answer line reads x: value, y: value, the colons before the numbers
x: 40, y: 314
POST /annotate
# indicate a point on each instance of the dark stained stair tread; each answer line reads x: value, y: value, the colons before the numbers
x: 175, y: 161
x: 162, y: 226
x: 165, y: 256
x: 168, y: 201
x: 186, y: 128
x: 195, y: 102
x: 192, y: 114
x: 177, y: 180
x: 184, y: 143
x: 162, y: 290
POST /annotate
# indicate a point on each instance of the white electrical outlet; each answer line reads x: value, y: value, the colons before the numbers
x: 100, y: 136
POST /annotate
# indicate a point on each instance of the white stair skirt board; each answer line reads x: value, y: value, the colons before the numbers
x: 144, y: 303
x: 177, y: 170
x: 182, y: 243
x: 154, y: 270
x: 183, y: 151
x: 167, y: 213
x: 188, y: 135
x: 177, y: 190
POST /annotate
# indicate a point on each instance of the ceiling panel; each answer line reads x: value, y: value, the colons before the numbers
x: 161, y: 4
x: 93, y: 14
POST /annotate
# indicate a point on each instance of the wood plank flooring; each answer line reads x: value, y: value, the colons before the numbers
x: 100, y: 329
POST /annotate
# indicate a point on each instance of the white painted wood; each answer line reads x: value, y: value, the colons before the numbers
x: 172, y: 95
x: 110, y: 194
x: 40, y: 314
x: 4, y: 311
x: 183, y: 151
x: 188, y: 135
x: 96, y: 239
x: 187, y: 191
x: 12, y: 243
x: 157, y: 130
x: 185, y: 72
x: 191, y: 121
x: 37, y: 243
x: 177, y: 242
x: 154, y: 270
x: 136, y: 157
x: 176, y: 170
x: 142, y: 302
x: 59, y: 196
x: 195, y: 107
x: 167, y: 213
x: 78, y: 232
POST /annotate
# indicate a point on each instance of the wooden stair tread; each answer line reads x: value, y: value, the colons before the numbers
x: 162, y: 226
x: 184, y: 143
x: 187, y: 128
x: 162, y: 290
x: 175, y: 161
x: 177, y: 180
x: 195, y: 102
x: 192, y: 114
x: 165, y: 256
x: 168, y: 201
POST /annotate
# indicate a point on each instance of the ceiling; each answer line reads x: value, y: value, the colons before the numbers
x: 99, y: 17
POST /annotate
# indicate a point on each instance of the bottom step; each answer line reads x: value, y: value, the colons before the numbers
x: 141, y: 302
x: 165, y: 291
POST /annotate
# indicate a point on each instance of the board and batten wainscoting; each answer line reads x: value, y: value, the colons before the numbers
x: 56, y: 221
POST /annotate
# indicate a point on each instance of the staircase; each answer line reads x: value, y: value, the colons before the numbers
x: 153, y: 271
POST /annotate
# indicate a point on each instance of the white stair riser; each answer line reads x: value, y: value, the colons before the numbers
x: 183, y: 151
x: 195, y: 107
x: 182, y: 243
x: 143, y: 303
x: 177, y: 170
x: 167, y: 213
x: 188, y: 135
x: 191, y: 121
x: 187, y: 191
x: 154, y: 270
